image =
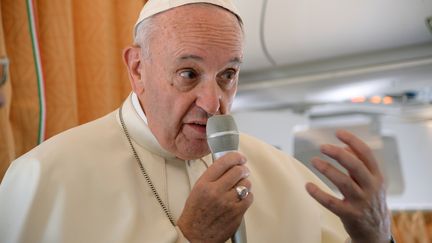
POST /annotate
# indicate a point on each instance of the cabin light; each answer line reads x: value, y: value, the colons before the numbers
x: 345, y: 92
x: 387, y: 100
x: 358, y: 99
x: 375, y: 99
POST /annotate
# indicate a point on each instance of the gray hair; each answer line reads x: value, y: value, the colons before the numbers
x: 143, y: 34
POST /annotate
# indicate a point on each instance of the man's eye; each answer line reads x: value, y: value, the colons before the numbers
x: 228, y: 78
x: 188, y: 74
x: 228, y: 75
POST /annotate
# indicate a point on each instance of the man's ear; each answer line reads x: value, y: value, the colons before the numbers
x: 132, y: 59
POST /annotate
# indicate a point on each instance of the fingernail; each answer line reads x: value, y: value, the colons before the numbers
x: 247, y: 174
x: 325, y: 148
x: 316, y: 163
x: 310, y: 187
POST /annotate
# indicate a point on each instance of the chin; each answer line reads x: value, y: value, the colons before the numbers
x: 193, y: 152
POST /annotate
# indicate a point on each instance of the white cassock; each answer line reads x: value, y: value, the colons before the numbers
x: 85, y: 186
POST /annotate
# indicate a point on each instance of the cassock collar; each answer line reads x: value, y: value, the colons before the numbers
x: 137, y: 106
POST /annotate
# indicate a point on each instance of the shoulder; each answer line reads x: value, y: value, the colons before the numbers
x: 263, y: 156
x: 94, y: 134
x: 255, y: 149
x: 71, y: 151
x: 256, y: 146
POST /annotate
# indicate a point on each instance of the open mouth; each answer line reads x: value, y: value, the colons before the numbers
x: 197, y: 127
x: 200, y: 125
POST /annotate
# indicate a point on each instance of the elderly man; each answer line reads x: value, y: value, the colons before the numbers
x: 144, y: 174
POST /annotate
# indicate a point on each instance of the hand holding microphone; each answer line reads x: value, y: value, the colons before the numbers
x: 223, y: 137
x: 214, y: 209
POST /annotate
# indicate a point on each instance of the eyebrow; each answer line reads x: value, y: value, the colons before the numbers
x: 235, y: 60
x: 193, y: 57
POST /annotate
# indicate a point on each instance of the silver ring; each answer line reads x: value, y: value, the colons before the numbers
x: 242, y: 192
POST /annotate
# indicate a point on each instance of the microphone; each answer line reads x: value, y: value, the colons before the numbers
x: 223, y: 137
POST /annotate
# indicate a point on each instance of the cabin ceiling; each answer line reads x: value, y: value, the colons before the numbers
x: 297, y: 49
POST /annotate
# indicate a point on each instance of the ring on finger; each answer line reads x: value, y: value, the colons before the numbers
x: 242, y: 192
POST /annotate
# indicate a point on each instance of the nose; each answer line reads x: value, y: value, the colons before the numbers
x: 209, y: 97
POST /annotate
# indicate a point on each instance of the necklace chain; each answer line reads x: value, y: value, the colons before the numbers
x: 144, y: 172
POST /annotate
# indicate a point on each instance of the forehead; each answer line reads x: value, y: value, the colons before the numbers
x: 198, y: 11
x: 198, y: 25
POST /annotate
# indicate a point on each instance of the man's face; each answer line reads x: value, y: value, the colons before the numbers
x: 191, y: 74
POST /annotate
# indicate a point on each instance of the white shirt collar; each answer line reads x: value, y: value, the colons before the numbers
x: 137, y: 106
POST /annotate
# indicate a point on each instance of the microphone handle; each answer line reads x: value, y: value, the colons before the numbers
x: 217, y: 155
x: 240, y: 234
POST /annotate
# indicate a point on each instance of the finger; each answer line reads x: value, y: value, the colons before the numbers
x: 221, y: 165
x: 244, y: 202
x: 360, y: 149
x: 237, y: 204
x: 345, y: 184
x: 356, y: 168
x: 233, y: 175
x: 246, y: 183
x: 349, y: 150
x: 239, y: 207
x: 328, y: 201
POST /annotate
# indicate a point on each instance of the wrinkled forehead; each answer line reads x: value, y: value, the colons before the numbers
x: 207, y: 26
x: 197, y: 15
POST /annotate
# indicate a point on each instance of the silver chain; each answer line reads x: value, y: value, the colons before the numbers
x: 144, y: 172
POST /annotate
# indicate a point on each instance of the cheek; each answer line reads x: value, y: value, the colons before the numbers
x: 171, y: 107
x: 229, y: 99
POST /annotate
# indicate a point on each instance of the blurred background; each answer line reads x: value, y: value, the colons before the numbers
x: 310, y: 67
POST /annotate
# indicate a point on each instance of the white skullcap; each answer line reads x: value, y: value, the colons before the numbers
x: 153, y: 7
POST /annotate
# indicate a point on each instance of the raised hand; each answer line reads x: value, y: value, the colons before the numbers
x: 363, y: 209
x: 213, y: 210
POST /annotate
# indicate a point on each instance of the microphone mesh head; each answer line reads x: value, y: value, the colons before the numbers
x: 222, y: 133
